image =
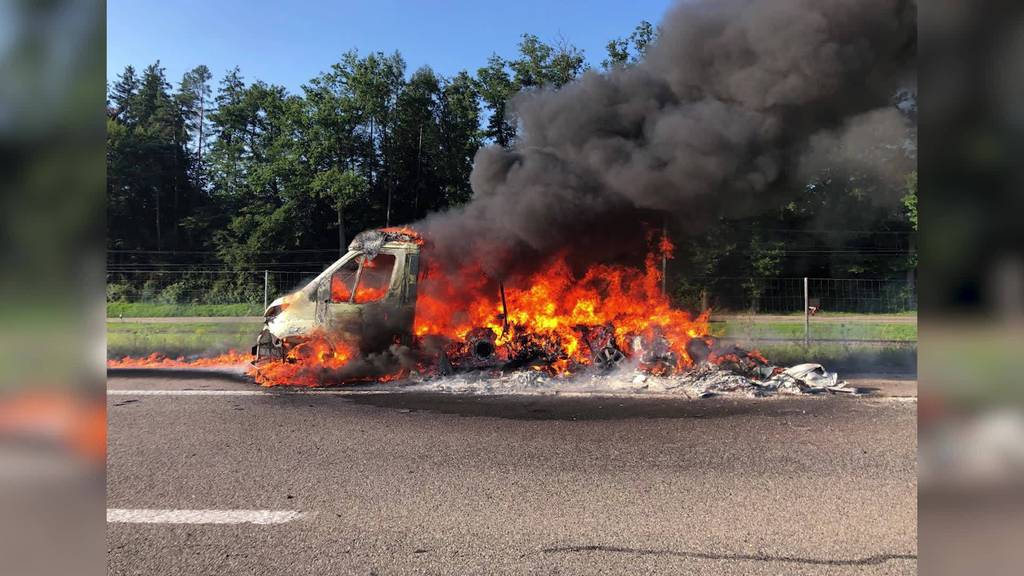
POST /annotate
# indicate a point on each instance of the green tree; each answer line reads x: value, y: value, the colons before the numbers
x: 566, y: 64
x: 153, y: 102
x: 148, y: 164
x: 230, y: 122
x: 194, y: 96
x: 765, y: 259
x: 643, y: 35
x: 415, y: 149
x: 618, y: 53
x: 495, y: 86
x: 538, y: 65
x: 632, y: 49
x: 543, y: 65
x: 910, y: 199
x: 122, y: 96
x: 256, y: 175
x: 376, y: 81
x: 460, y: 137
x: 342, y: 188
x: 348, y: 124
x: 910, y: 211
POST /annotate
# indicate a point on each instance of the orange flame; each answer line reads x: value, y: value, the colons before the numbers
x: 160, y: 360
x: 312, y: 363
x: 367, y: 291
x: 553, y: 302
x: 340, y: 291
x: 412, y: 234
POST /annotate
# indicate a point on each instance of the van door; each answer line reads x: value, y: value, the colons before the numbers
x: 359, y: 300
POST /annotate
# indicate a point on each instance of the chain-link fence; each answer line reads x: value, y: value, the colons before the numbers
x: 854, y: 323
x: 254, y: 287
x: 787, y: 295
x: 738, y: 295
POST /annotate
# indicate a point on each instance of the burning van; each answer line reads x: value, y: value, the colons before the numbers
x: 366, y: 299
x: 388, y: 308
x: 379, y: 313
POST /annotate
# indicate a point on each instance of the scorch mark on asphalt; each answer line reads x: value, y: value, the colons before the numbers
x: 864, y: 561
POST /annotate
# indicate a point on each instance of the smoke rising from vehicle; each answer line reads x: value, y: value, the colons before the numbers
x: 735, y: 100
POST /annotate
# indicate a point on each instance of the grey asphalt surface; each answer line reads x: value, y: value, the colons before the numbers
x: 409, y: 483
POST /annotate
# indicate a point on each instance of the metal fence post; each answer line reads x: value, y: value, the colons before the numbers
x: 266, y: 287
x: 807, y: 315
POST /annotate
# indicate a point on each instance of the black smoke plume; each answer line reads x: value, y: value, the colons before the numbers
x: 734, y: 100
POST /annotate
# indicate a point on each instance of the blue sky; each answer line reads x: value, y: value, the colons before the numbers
x: 288, y: 43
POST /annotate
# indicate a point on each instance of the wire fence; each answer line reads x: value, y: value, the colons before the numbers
x: 787, y: 295
x: 254, y: 287
x: 736, y: 294
x: 820, y: 311
x: 771, y: 314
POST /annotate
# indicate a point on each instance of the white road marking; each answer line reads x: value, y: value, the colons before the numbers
x: 895, y: 398
x: 151, y: 516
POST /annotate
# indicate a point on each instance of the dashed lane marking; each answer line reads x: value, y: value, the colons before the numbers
x: 154, y: 516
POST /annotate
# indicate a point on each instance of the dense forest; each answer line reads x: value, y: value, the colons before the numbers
x: 240, y: 174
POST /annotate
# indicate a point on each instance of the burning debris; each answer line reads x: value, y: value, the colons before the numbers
x: 477, y: 371
x: 706, y: 380
x: 556, y: 320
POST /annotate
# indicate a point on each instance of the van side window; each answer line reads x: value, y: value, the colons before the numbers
x: 375, y: 278
x: 342, y: 282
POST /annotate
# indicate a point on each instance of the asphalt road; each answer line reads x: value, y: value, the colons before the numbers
x: 414, y: 483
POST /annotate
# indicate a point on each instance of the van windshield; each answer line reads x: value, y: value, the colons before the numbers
x: 373, y: 279
x: 343, y: 280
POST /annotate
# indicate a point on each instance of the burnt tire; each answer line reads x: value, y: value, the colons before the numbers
x: 608, y: 358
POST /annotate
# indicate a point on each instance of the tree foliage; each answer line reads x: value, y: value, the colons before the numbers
x: 629, y: 50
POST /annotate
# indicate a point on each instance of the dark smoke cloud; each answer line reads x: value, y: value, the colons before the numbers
x: 878, y: 142
x: 735, y: 98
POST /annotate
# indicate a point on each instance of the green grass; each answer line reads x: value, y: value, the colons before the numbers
x: 142, y: 339
x: 827, y: 314
x: 145, y: 310
x: 860, y: 330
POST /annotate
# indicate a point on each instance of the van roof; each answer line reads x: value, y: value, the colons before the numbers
x: 371, y: 241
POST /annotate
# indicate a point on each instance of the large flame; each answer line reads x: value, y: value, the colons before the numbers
x: 552, y: 308
x: 553, y: 305
x: 312, y: 363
